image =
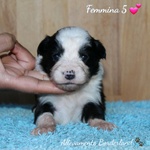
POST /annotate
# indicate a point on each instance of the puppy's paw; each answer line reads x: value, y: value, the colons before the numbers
x: 101, y: 124
x: 44, y: 129
x: 45, y: 123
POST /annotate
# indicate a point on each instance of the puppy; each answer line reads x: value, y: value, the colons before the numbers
x: 71, y: 58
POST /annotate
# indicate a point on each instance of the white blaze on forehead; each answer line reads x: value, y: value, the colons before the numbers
x: 72, y: 39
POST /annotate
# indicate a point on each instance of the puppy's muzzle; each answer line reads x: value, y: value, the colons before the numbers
x: 69, y: 75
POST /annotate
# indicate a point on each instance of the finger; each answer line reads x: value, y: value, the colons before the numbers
x: 33, y: 85
x: 23, y: 56
x: 47, y: 87
x: 36, y: 74
x: 11, y: 67
x: 2, y: 69
x: 7, y: 42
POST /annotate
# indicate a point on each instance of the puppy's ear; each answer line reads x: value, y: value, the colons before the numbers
x: 100, y: 49
x: 43, y: 46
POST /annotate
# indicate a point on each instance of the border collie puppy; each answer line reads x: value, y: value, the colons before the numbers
x: 71, y: 58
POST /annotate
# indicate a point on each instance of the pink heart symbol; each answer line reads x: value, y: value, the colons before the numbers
x: 133, y: 10
x: 138, y: 5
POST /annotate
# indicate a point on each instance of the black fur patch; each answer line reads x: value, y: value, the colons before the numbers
x: 39, y: 109
x: 91, y: 55
x: 92, y: 110
x: 51, y: 51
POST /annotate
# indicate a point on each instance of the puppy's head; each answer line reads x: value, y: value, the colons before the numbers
x: 70, y: 57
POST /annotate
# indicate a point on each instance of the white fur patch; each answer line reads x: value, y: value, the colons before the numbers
x: 72, y: 39
x: 38, y: 67
x: 81, y: 71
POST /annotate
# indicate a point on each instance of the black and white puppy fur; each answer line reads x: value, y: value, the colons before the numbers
x: 71, y: 58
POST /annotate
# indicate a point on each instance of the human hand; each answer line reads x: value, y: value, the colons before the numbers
x: 16, y: 69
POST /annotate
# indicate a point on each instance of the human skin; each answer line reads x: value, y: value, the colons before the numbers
x: 17, y: 69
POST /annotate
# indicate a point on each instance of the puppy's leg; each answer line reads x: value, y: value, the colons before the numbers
x: 45, y: 123
x: 43, y: 118
x: 94, y: 114
x: 101, y: 124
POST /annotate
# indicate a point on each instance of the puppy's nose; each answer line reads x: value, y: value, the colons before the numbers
x: 69, y: 75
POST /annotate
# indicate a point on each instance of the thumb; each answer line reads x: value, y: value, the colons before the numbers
x: 7, y: 42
